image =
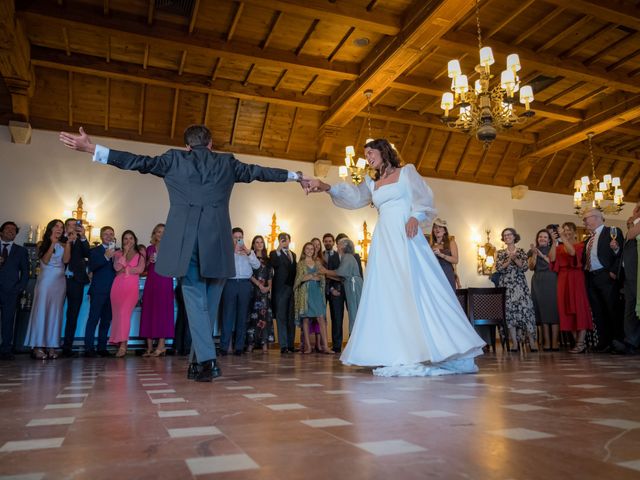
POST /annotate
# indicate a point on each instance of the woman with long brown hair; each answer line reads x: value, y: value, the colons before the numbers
x: 260, y: 325
x: 445, y: 249
x: 409, y: 319
x: 45, y: 321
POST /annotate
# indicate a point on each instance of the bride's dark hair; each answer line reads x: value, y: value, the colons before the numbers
x: 390, y: 157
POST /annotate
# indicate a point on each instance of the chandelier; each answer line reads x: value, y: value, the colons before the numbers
x: 605, y: 195
x: 484, y: 110
x: 357, y: 169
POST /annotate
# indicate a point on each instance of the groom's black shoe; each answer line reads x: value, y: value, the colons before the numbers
x: 193, y: 371
x: 208, y: 371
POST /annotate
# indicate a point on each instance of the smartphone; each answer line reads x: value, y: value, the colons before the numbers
x: 240, y: 242
x: 79, y: 223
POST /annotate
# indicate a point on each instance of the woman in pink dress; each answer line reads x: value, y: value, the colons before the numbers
x: 128, y: 263
x: 157, y: 319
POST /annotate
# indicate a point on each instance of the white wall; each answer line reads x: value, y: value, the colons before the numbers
x: 41, y: 180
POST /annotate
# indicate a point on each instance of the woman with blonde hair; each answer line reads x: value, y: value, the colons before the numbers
x: 157, y: 317
x: 308, y: 291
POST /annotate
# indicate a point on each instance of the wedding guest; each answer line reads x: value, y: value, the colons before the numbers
x: 77, y: 278
x: 236, y: 296
x: 573, y: 304
x: 544, y: 290
x: 349, y: 274
x: 334, y: 293
x: 260, y: 318
x: 283, y: 262
x: 339, y: 237
x: 601, y: 259
x: 128, y: 263
x: 157, y: 317
x: 45, y: 321
x: 314, y: 326
x: 445, y: 249
x: 629, y: 269
x: 14, y: 275
x: 100, y: 313
x: 308, y: 290
x: 512, y: 264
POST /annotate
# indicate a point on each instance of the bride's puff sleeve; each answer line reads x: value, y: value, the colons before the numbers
x: 422, y: 208
x: 350, y: 196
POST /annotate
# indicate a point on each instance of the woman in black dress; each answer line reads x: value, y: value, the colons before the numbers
x: 260, y: 316
x: 445, y: 249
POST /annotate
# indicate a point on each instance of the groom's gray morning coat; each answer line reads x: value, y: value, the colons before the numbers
x: 199, y: 183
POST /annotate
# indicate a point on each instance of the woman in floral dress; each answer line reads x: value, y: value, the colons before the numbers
x: 260, y: 317
x: 521, y: 319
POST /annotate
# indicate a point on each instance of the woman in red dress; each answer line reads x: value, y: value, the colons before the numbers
x: 573, y: 303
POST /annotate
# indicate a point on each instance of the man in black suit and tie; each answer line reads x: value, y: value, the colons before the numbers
x: 101, y: 266
x: 77, y: 278
x: 601, y: 260
x: 629, y: 274
x: 196, y: 245
x: 284, y: 264
x: 334, y: 290
x: 14, y: 275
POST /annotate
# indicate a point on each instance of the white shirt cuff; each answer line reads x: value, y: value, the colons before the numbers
x: 292, y: 177
x: 101, y: 154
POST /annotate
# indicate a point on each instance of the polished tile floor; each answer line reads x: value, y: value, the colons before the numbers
x: 540, y: 416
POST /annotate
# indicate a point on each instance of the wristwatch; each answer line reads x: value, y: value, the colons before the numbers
x: 300, y: 176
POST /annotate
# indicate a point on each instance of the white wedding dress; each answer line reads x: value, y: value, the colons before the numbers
x: 409, y: 321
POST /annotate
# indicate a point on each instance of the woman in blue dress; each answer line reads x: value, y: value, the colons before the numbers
x: 309, y: 300
x: 45, y: 322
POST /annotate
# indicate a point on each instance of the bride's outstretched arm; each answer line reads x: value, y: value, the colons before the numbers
x: 344, y: 195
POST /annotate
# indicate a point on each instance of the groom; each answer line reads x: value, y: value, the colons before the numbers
x: 196, y: 247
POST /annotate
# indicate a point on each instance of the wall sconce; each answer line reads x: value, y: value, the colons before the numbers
x: 364, y: 240
x: 486, y: 255
x: 85, y: 217
x: 274, y: 231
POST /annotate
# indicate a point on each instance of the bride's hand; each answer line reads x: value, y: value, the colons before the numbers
x: 411, y: 227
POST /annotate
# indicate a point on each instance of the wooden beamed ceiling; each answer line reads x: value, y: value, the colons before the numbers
x: 286, y: 78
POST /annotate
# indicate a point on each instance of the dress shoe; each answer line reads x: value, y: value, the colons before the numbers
x: 193, y: 370
x: 623, y: 348
x: 238, y: 353
x: 603, y: 349
x: 7, y: 356
x: 90, y: 354
x: 208, y: 371
x: 105, y: 353
x: 69, y: 354
x: 284, y: 350
x: 337, y: 350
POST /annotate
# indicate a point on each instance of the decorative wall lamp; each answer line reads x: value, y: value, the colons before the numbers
x: 486, y: 255
x: 364, y: 240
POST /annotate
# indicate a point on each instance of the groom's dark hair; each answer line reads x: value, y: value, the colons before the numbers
x: 197, y: 136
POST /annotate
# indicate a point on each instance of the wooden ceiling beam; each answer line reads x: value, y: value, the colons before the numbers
x: 550, y: 64
x: 234, y: 127
x: 292, y: 130
x: 609, y: 153
x: 424, y: 149
x: 174, y: 112
x: 264, y: 126
x: 115, y: 70
x: 483, y: 157
x: 143, y: 91
x: 574, y: 27
x: 565, y: 164
x: 426, y: 22
x: 194, y: 17
x: 583, y: 42
x: 15, y: 61
x: 432, y: 121
x: 341, y: 13
x: 546, y: 168
x: 164, y: 36
x: 507, y: 152
x: 341, y: 43
x: 234, y: 22
x: 462, y: 156
x: 509, y: 17
x: 435, y: 89
x: 307, y: 36
x: 151, y: 11
x: 442, y: 152
x: 630, y: 37
x: 627, y: 58
x: 107, y: 104
x: 614, y: 12
x: 274, y: 23
x: 537, y: 25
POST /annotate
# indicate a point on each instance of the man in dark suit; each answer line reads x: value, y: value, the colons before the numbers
x: 196, y: 245
x: 284, y: 264
x: 629, y: 274
x: 103, y: 274
x: 334, y: 290
x: 77, y: 278
x: 14, y: 275
x: 601, y: 260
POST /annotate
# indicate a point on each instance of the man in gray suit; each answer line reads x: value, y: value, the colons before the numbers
x: 196, y: 246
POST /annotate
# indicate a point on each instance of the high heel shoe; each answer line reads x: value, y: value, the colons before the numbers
x: 51, y: 354
x: 148, y: 353
x: 38, y: 354
x: 122, y: 351
x: 159, y: 353
x: 581, y: 347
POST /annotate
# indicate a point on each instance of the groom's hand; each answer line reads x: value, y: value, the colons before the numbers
x: 80, y: 142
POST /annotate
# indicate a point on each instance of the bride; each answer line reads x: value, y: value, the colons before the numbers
x: 409, y: 321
